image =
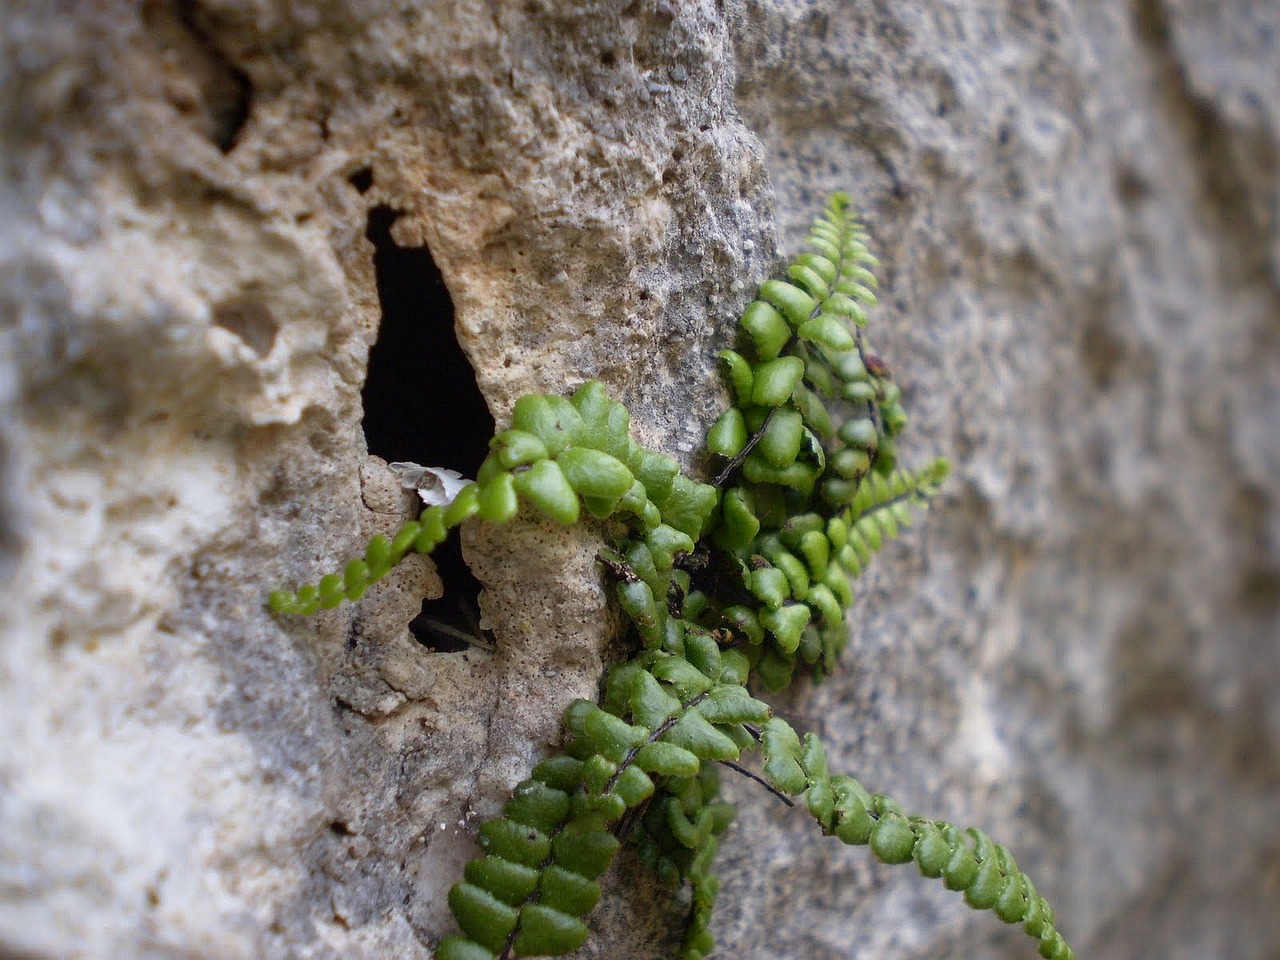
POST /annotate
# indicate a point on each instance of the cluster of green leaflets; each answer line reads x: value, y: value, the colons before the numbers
x: 723, y: 584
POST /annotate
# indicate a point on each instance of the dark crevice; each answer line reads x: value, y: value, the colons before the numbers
x: 361, y: 179
x: 451, y: 623
x: 183, y: 30
x: 421, y: 400
x: 422, y: 404
x: 10, y: 540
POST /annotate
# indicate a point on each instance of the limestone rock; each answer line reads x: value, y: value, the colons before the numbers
x: 211, y: 206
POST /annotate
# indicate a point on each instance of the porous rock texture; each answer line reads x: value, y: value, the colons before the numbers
x: 1076, y: 208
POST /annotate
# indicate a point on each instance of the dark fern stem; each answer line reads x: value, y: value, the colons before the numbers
x: 746, y: 579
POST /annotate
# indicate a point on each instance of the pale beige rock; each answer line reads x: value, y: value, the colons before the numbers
x: 191, y: 302
x: 1075, y: 207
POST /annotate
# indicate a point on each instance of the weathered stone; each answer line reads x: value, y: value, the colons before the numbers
x: 1075, y: 206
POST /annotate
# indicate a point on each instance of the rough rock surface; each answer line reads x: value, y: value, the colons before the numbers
x: 1076, y: 206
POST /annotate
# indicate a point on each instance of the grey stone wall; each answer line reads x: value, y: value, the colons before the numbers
x: 1076, y: 208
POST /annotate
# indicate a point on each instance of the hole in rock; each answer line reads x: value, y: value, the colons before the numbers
x: 422, y: 404
x: 361, y: 179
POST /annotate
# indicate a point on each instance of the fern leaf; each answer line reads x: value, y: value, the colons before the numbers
x: 966, y: 861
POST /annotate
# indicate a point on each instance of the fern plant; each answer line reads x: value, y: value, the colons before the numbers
x: 725, y: 585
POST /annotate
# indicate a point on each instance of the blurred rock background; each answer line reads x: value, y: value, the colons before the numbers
x: 213, y: 210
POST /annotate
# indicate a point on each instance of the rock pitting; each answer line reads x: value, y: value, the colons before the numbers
x: 1075, y: 206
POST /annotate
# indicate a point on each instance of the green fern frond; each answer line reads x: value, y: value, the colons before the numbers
x: 677, y: 838
x: 965, y: 860
x: 560, y: 456
x: 664, y: 717
x: 882, y: 507
x: 811, y: 490
x: 381, y: 556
